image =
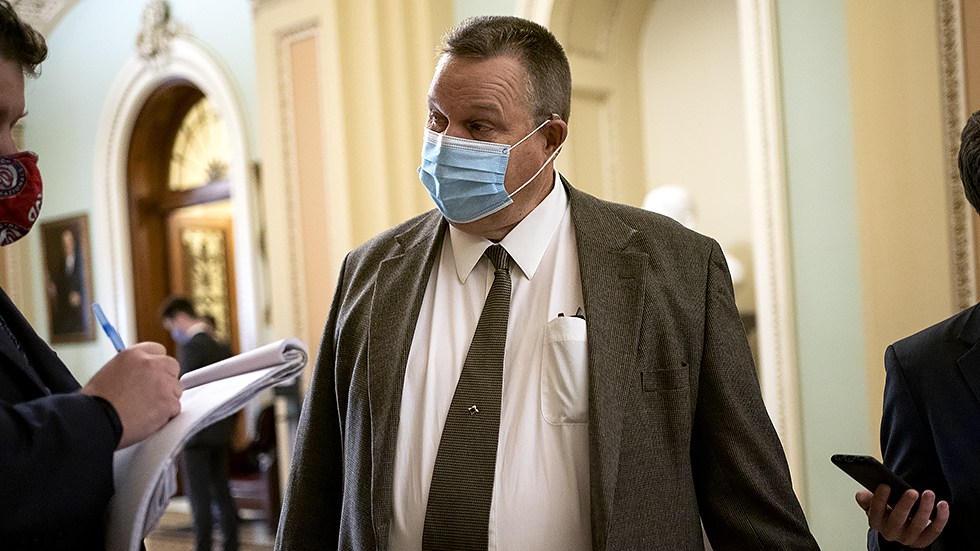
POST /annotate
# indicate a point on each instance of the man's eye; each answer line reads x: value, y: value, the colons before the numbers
x: 436, y: 123
x: 479, y: 129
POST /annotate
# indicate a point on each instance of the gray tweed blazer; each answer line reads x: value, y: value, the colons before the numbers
x: 677, y: 428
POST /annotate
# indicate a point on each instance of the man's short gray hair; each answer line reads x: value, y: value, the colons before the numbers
x: 549, y: 75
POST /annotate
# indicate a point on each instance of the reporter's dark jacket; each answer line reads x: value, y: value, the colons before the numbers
x: 930, y: 426
x: 56, y: 447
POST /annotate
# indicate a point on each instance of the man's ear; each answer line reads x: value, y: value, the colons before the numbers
x: 555, y: 133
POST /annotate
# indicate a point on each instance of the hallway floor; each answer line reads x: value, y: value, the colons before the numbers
x: 176, y: 531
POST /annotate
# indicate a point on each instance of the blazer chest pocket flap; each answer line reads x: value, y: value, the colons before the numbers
x: 670, y: 378
x: 564, y: 372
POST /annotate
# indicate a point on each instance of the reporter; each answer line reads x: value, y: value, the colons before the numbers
x: 57, y: 438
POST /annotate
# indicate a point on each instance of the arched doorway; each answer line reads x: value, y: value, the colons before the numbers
x: 180, y: 217
x: 173, y: 84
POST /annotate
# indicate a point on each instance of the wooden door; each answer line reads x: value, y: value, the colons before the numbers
x: 200, y: 245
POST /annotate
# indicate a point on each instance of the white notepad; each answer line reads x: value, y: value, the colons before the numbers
x: 145, y: 473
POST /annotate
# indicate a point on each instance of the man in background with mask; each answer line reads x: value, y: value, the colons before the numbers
x: 57, y: 438
x: 608, y: 399
x: 206, y: 453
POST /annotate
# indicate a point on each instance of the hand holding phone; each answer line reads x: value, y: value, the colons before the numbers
x: 870, y: 473
x: 896, y: 522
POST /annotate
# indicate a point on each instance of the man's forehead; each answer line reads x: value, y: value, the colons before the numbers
x: 480, y: 86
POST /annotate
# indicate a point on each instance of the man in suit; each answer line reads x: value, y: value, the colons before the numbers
x: 57, y: 436
x: 629, y: 406
x: 931, y: 418
x: 206, y: 453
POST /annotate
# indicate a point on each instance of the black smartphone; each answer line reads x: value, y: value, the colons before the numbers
x: 870, y: 473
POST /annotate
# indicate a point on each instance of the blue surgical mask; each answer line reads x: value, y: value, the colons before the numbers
x: 179, y: 336
x: 466, y: 177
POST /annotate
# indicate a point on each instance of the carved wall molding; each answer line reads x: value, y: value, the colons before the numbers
x: 298, y: 287
x: 770, y: 232
x: 959, y: 212
x: 43, y: 15
x: 158, y: 29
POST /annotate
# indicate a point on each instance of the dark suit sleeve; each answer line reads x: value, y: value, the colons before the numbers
x: 906, y: 441
x: 55, y: 464
x: 312, y: 506
x: 55, y: 449
x: 743, y: 484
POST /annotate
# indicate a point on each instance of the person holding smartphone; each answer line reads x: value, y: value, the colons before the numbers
x: 931, y: 419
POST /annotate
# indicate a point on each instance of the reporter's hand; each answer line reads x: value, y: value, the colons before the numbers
x: 142, y: 383
x: 894, y: 524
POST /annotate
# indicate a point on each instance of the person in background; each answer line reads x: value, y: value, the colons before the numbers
x: 57, y: 437
x: 930, y: 420
x: 608, y: 399
x: 206, y: 453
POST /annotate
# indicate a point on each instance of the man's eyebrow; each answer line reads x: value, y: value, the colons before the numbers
x: 488, y: 107
x: 491, y: 108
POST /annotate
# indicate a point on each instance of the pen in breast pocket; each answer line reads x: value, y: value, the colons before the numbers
x: 110, y: 331
x: 578, y: 314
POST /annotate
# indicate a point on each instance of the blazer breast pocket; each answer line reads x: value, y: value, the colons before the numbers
x: 564, y: 372
x: 669, y: 378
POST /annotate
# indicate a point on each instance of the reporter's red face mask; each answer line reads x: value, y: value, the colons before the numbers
x: 20, y: 195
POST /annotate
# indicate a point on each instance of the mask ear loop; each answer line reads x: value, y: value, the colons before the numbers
x: 554, y: 117
x: 540, y: 126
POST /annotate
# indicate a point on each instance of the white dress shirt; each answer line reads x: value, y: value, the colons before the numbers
x: 541, y: 485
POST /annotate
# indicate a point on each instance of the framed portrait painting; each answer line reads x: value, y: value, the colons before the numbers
x: 68, y: 279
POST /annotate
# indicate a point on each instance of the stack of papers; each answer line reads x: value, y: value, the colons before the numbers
x: 145, y: 473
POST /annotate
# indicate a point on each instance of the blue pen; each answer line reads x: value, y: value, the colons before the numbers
x: 110, y: 331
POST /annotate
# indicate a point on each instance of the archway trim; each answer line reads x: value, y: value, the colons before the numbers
x: 193, y: 61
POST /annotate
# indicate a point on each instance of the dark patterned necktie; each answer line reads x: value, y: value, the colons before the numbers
x: 458, y: 510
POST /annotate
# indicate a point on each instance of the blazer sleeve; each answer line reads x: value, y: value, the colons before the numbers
x: 744, y: 491
x: 56, y: 447
x: 314, y: 495
x: 55, y: 464
x: 906, y: 441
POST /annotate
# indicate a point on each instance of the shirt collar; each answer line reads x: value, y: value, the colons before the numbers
x: 525, y: 243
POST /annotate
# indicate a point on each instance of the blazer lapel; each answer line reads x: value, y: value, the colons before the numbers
x: 612, y: 287
x: 395, y: 306
x: 55, y: 375
x: 969, y: 363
